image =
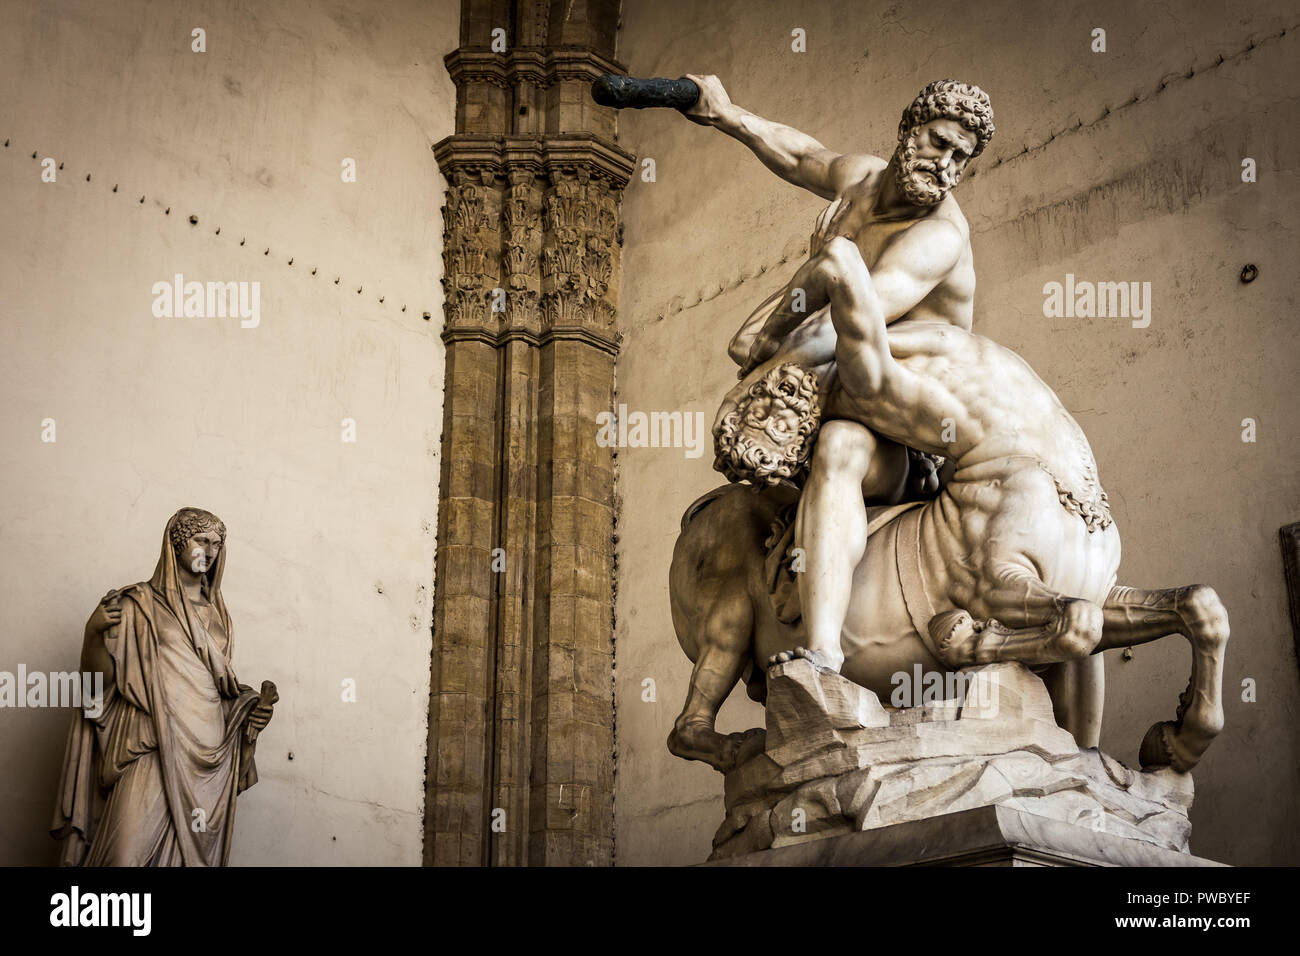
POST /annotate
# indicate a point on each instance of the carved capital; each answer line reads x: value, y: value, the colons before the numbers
x: 538, y: 218
x: 560, y: 155
x: 540, y: 66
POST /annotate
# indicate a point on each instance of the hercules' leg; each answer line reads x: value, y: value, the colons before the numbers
x: 850, y: 465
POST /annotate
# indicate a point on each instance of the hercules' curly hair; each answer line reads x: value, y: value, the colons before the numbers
x: 949, y: 99
x: 190, y: 521
x: 743, y: 458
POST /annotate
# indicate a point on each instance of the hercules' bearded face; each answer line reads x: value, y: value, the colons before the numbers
x: 930, y: 160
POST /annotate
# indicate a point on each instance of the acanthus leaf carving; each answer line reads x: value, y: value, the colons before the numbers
x: 546, y: 235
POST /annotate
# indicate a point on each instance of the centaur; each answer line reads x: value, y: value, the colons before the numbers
x: 1014, y: 560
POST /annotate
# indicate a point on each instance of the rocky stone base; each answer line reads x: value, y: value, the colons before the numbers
x: 836, y: 761
x: 985, y: 836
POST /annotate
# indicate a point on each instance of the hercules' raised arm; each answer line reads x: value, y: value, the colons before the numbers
x: 794, y: 156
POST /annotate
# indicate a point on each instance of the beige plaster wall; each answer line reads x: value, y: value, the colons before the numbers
x: 331, y: 544
x: 1149, y: 192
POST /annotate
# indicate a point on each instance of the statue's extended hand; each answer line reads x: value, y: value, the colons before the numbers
x: 712, y: 103
x: 260, y: 717
x: 261, y: 713
x: 107, y: 613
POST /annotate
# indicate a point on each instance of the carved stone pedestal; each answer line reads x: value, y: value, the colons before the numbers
x: 985, y: 836
x: 985, y: 779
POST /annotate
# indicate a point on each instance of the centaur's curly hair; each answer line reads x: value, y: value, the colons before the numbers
x: 742, y: 457
x: 948, y: 99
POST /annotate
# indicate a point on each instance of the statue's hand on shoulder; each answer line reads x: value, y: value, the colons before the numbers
x: 107, y: 614
x: 713, y: 101
x: 95, y: 657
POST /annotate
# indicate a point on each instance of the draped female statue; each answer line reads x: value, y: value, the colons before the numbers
x: 152, y: 780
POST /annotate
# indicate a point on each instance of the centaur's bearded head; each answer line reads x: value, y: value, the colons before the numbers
x: 767, y: 438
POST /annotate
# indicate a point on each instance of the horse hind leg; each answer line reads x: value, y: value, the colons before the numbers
x: 1138, y: 616
x: 1072, y: 628
x: 1078, y: 692
x: 723, y: 653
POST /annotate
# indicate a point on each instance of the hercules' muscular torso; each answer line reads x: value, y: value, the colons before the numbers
x: 952, y: 299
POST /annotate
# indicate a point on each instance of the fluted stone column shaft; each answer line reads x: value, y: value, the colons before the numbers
x: 520, y: 761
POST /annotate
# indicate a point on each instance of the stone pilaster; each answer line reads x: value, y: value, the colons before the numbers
x: 521, y: 706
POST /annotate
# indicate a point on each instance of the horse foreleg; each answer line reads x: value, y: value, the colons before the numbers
x: 1034, y: 625
x: 1137, y: 616
x: 723, y: 653
x: 1071, y: 631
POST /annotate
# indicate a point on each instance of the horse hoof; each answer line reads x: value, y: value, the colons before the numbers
x: 954, y: 635
x: 1160, y: 748
x: 1155, y: 750
x: 751, y: 744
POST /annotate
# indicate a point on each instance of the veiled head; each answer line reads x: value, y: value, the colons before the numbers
x: 197, y: 537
